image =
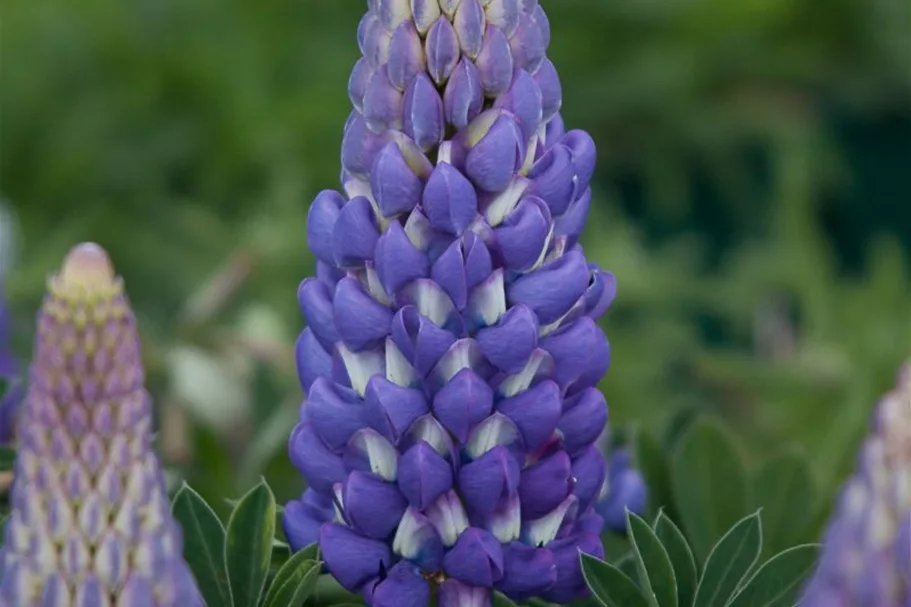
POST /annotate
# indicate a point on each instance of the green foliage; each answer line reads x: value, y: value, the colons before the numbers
x: 204, y: 545
x: 666, y: 572
x: 248, y: 545
x: 7, y: 458
x: 785, y: 490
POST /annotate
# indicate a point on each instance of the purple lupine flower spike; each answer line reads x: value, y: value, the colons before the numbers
x: 91, y: 521
x: 867, y: 555
x: 625, y: 490
x: 10, y: 384
x: 452, y: 353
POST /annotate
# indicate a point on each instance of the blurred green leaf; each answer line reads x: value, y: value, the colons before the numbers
x: 610, y: 585
x: 681, y: 557
x: 7, y: 457
x: 655, y: 571
x: 248, y: 546
x: 204, y: 546
x: 652, y: 461
x: 709, y: 483
x: 293, y: 583
x: 779, y: 580
x: 730, y: 561
x: 499, y: 600
x: 785, y: 490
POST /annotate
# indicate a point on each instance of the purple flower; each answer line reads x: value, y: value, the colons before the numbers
x: 91, y: 520
x: 452, y: 353
x: 626, y: 490
x: 10, y: 385
x: 867, y: 555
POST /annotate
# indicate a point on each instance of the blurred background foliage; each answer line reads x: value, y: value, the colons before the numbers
x: 753, y: 200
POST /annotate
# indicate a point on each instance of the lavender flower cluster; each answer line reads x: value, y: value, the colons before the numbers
x: 867, y: 556
x: 452, y: 354
x: 91, y: 522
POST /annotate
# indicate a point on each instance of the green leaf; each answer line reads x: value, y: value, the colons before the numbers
x: 500, y: 600
x: 681, y: 558
x: 656, y: 574
x: 248, y: 548
x: 629, y: 566
x: 709, y: 484
x: 294, y: 582
x: 7, y: 458
x: 729, y: 562
x: 784, y: 488
x: 609, y: 585
x: 203, y: 545
x: 652, y: 461
x: 778, y: 582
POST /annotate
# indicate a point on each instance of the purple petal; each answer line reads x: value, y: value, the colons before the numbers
x: 591, y: 522
x: 463, y: 98
x: 357, y: 82
x: 600, y: 295
x: 554, y: 176
x: 362, y: 322
x: 319, y: 466
x: 406, y: 55
x: 418, y: 541
x: 335, y: 412
x: 535, y: 412
x: 448, y: 517
x: 404, y: 586
x: 373, y: 506
x: 425, y: 12
x: 382, y: 103
x: 578, y: 350
x: 582, y: 146
x: 423, y: 110
x: 392, y: 409
x: 355, y: 234
x: 421, y: 341
x: 423, y: 475
x: 504, y: 14
x: 589, y: 470
x: 487, y: 481
x: 463, y: 402
x: 392, y: 12
x: 545, y: 485
x: 315, y: 299
x: 478, y: 264
x: 527, y: 571
x: 626, y: 491
x: 548, y: 82
x: 352, y: 558
x: 469, y: 23
x: 456, y: 594
x: 397, y: 260
x: 302, y: 519
x: 449, y: 272
x: 570, y: 583
x: 492, y: 162
x: 373, y: 39
x: 583, y: 421
x: 540, y: 19
x: 525, y: 101
x: 329, y: 274
x: 510, y: 342
x: 369, y: 451
x: 360, y: 146
x: 396, y: 188
x: 553, y: 289
x: 442, y: 50
x: 476, y: 559
x: 571, y: 223
x: 524, y: 234
x: 528, y: 44
x: 321, y: 220
x: 449, y: 200
x: 495, y: 62
x: 312, y: 360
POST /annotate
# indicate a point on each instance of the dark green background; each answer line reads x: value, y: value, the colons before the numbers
x: 752, y: 198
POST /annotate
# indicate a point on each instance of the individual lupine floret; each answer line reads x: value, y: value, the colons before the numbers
x: 10, y: 385
x: 625, y: 490
x: 91, y: 522
x: 866, y: 561
x: 452, y: 353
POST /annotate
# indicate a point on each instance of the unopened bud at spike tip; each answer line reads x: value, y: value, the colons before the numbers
x: 87, y: 265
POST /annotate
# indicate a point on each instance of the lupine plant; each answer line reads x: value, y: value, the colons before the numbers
x: 449, y: 434
x: 867, y: 560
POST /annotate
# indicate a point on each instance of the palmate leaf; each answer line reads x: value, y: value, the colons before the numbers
x: 610, y: 586
x: 248, y: 545
x: 204, y: 545
x: 655, y: 571
x: 294, y: 582
x: 730, y: 561
x: 784, y: 488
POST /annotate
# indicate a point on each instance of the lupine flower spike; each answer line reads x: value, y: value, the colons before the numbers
x: 91, y: 522
x: 449, y: 434
x: 866, y: 561
x: 10, y: 388
x: 625, y: 490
